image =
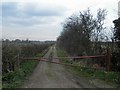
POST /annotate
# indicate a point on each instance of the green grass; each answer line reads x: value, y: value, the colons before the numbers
x: 43, y: 53
x: 0, y: 86
x: 109, y: 77
x: 16, y: 78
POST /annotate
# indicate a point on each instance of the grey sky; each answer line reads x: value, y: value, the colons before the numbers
x: 41, y: 19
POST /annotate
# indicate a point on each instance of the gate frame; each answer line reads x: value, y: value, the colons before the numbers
x: 107, y: 57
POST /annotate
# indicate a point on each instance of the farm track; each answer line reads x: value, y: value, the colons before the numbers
x: 50, y: 75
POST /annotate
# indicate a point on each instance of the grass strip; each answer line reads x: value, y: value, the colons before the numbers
x: 16, y: 78
x: 112, y: 77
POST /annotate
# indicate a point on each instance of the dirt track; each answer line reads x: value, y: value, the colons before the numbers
x: 49, y: 75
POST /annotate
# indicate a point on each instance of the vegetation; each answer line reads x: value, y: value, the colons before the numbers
x: 84, y: 34
x: 117, y: 31
x: 109, y: 77
x: 116, y: 54
x: 14, y: 69
x: 16, y: 78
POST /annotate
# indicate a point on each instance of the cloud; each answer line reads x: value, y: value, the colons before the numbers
x: 43, y: 10
x: 14, y: 9
x: 13, y: 21
x: 39, y: 32
x: 29, y: 20
x: 9, y: 9
x: 40, y: 19
x: 27, y: 14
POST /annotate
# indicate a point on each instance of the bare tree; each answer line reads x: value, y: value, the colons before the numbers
x: 80, y: 31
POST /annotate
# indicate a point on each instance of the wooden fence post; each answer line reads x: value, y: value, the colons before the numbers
x: 17, y: 63
x: 107, y: 61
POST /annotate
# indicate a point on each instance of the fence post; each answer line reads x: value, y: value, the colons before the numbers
x: 107, y: 61
x: 18, y: 61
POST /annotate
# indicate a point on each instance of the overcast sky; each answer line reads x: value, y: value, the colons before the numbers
x: 41, y: 19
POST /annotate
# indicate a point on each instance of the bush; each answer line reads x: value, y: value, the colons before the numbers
x: 115, y: 59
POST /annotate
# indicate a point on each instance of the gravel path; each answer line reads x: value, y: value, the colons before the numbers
x: 49, y: 75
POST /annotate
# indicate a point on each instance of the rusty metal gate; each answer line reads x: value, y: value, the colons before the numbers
x: 46, y: 59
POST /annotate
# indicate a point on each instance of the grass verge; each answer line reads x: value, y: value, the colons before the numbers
x: 16, y: 78
x: 108, y: 77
